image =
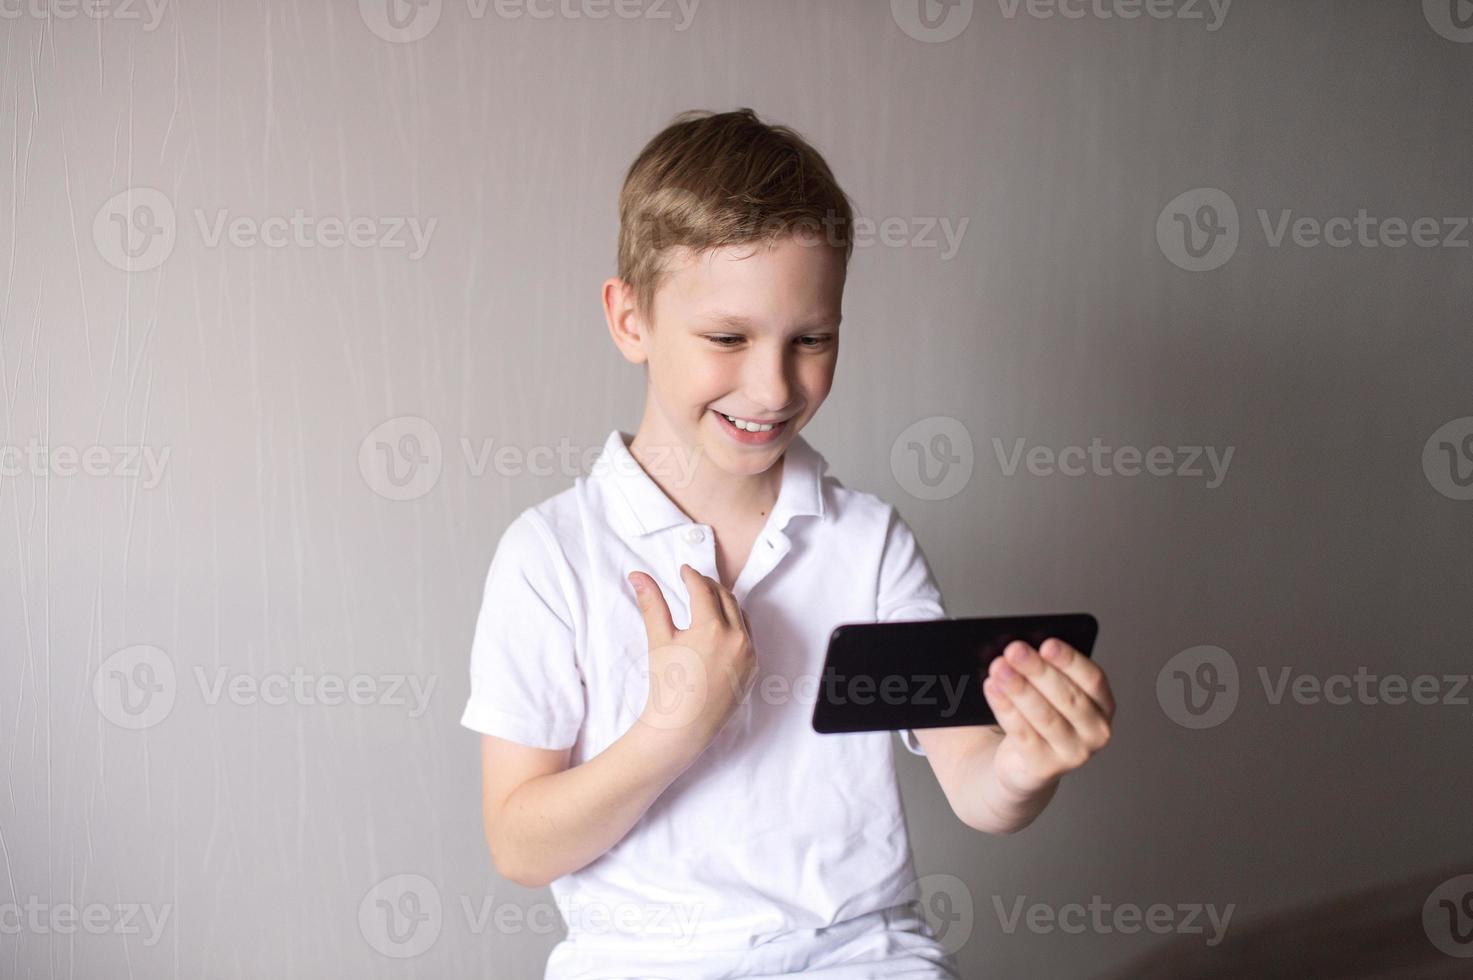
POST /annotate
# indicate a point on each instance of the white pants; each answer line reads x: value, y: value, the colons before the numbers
x: 889, y: 944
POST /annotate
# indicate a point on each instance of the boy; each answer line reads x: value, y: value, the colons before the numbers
x: 666, y: 782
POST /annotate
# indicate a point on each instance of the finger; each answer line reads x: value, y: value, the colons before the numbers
x: 729, y: 605
x: 1009, y: 718
x: 1045, y: 719
x: 658, y: 626
x: 1084, y: 672
x: 1076, y: 706
x: 703, y: 602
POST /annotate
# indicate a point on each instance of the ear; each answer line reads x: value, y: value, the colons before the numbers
x: 627, y: 327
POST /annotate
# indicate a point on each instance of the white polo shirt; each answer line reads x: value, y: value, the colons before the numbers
x: 774, y: 827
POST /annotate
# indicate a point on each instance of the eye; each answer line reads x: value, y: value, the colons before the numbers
x: 818, y: 341
x: 724, y: 340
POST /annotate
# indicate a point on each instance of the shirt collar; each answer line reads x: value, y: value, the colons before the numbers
x: 638, y: 506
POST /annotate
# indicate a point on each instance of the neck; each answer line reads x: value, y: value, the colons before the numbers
x: 704, y: 492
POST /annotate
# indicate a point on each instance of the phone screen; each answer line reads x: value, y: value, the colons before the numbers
x: 926, y: 674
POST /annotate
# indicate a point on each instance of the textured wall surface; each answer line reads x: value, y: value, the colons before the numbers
x: 279, y: 280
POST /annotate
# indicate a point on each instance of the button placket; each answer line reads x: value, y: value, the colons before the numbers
x: 700, y: 546
x: 769, y: 550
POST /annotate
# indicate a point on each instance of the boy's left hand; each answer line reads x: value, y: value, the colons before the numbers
x: 1054, y: 707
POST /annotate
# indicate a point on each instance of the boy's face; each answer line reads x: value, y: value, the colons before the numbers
x: 749, y: 331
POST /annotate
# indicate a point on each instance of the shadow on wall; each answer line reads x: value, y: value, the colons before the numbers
x: 1419, y: 928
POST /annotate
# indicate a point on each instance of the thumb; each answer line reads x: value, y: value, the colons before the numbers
x: 658, y: 626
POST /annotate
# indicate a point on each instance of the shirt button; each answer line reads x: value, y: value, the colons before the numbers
x: 695, y: 535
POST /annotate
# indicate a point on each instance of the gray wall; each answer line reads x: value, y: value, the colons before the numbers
x: 264, y: 545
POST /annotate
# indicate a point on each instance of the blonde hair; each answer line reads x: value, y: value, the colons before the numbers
x: 709, y: 180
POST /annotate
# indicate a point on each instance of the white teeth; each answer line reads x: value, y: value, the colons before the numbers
x: 747, y: 426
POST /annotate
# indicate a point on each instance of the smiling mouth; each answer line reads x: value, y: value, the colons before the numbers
x: 749, y: 425
x: 751, y: 433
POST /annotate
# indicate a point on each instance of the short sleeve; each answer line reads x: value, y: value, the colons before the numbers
x: 908, y: 590
x: 525, y: 682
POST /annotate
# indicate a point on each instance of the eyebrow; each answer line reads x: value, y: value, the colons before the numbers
x: 738, y: 322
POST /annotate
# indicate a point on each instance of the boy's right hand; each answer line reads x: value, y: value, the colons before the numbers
x: 700, y: 675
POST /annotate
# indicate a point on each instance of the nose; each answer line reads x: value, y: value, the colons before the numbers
x: 767, y: 381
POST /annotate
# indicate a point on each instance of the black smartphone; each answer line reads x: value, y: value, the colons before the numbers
x: 927, y: 673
